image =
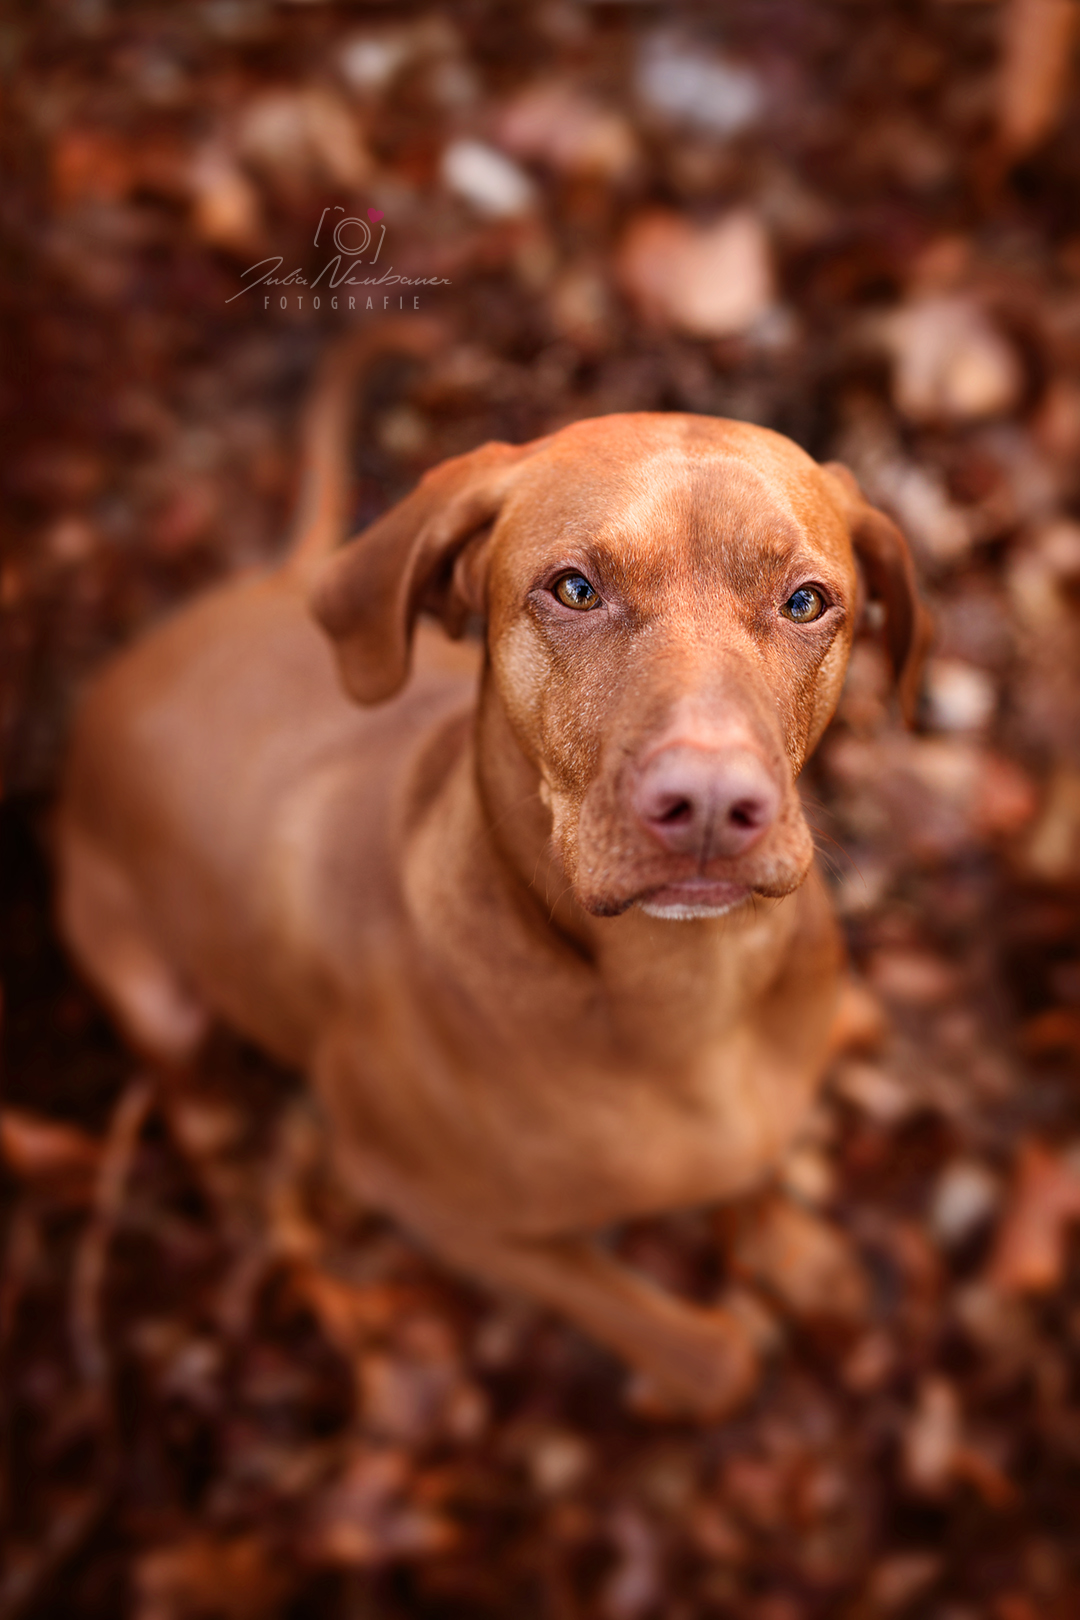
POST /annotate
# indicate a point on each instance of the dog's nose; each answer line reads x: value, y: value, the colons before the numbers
x: 697, y: 801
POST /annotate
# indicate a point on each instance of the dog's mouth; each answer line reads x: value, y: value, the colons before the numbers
x: 694, y: 897
x: 697, y: 896
x: 613, y: 869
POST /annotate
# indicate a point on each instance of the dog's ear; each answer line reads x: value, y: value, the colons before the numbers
x: 424, y: 553
x: 890, y: 579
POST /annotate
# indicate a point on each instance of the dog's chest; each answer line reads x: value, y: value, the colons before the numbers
x: 540, y: 1134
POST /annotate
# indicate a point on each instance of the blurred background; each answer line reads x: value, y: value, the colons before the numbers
x: 226, y: 1393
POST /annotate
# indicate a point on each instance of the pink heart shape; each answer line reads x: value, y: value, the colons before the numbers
x: 374, y: 214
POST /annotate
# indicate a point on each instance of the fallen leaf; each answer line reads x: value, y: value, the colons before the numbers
x: 558, y: 1460
x: 757, y: 1488
x: 1053, y: 1032
x: 875, y: 1092
x: 679, y: 77
x: 365, y: 1516
x: 898, y: 1580
x: 348, y: 1314
x: 959, y: 697
x: 950, y: 362
x: 35, y: 1148
x: 404, y: 1398
x: 204, y: 1578
x: 870, y: 1364
x: 91, y: 165
x: 226, y: 208
x: 912, y: 978
x: 1029, y: 1256
x: 932, y: 1437
x: 487, y: 180
x: 965, y: 1196
x: 861, y: 1022
x: 303, y: 136
x: 710, y: 281
x: 556, y: 124
x: 1036, y: 50
x: 1052, y: 851
x: 634, y: 1585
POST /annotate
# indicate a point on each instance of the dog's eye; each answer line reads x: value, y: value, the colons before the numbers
x: 574, y: 591
x: 804, y: 605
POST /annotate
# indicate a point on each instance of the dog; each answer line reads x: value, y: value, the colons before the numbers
x: 538, y: 917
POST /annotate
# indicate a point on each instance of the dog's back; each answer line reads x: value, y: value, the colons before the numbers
x: 203, y: 760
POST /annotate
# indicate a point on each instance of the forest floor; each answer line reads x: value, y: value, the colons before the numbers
x: 230, y: 1394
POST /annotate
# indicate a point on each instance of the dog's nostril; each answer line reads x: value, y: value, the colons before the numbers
x: 681, y: 810
x: 747, y: 814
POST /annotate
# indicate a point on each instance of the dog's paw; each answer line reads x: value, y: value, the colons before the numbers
x: 706, y: 1374
x: 806, y: 1262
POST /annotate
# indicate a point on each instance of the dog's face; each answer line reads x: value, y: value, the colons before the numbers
x: 668, y: 628
x: 670, y: 602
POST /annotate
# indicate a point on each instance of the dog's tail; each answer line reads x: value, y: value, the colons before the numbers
x: 322, y: 510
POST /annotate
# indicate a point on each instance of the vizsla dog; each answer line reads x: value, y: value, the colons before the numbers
x: 539, y: 919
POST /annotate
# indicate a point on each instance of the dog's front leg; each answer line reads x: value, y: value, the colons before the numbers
x: 695, y: 1360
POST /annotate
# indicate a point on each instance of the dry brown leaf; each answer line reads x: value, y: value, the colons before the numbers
x: 871, y: 1362
x: 1052, y: 852
x: 932, y: 1437
x: 1037, y: 39
x: 982, y: 1472
x: 875, y: 1092
x: 404, y: 1399
x: 204, y: 1578
x: 366, y: 1517
x: 556, y: 124
x: 90, y: 165
x: 557, y: 1460
x: 714, y: 1533
x: 861, y: 1022
x: 226, y: 208
x: 966, y: 1194
x: 913, y: 978
x: 635, y: 1584
x: 710, y: 281
x: 299, y: 137
x: 347, y: 1314
x: 950, y: 362
x: 931, y: 796
x: 1015, y: 1606
x: 1030, y: 1253
x: 896, y: 1581
x: 757, y: 1488
x: 1052, y: 1032
x: 35, y: 1148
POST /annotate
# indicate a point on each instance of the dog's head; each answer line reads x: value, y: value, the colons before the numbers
x: 670, y: 602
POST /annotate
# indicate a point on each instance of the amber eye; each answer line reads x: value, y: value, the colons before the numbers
x: 804, y: 605
x: 574, y: 591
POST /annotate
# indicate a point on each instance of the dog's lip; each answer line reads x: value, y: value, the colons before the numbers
x: 704, y: 892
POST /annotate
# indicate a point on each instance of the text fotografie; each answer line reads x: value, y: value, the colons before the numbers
x: 337, y: 275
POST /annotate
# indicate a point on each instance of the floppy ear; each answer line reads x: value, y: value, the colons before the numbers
x: 890, y: 578
x: 417, y: 555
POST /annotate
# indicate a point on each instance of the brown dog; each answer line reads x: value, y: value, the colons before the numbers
x: 540, y: 922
